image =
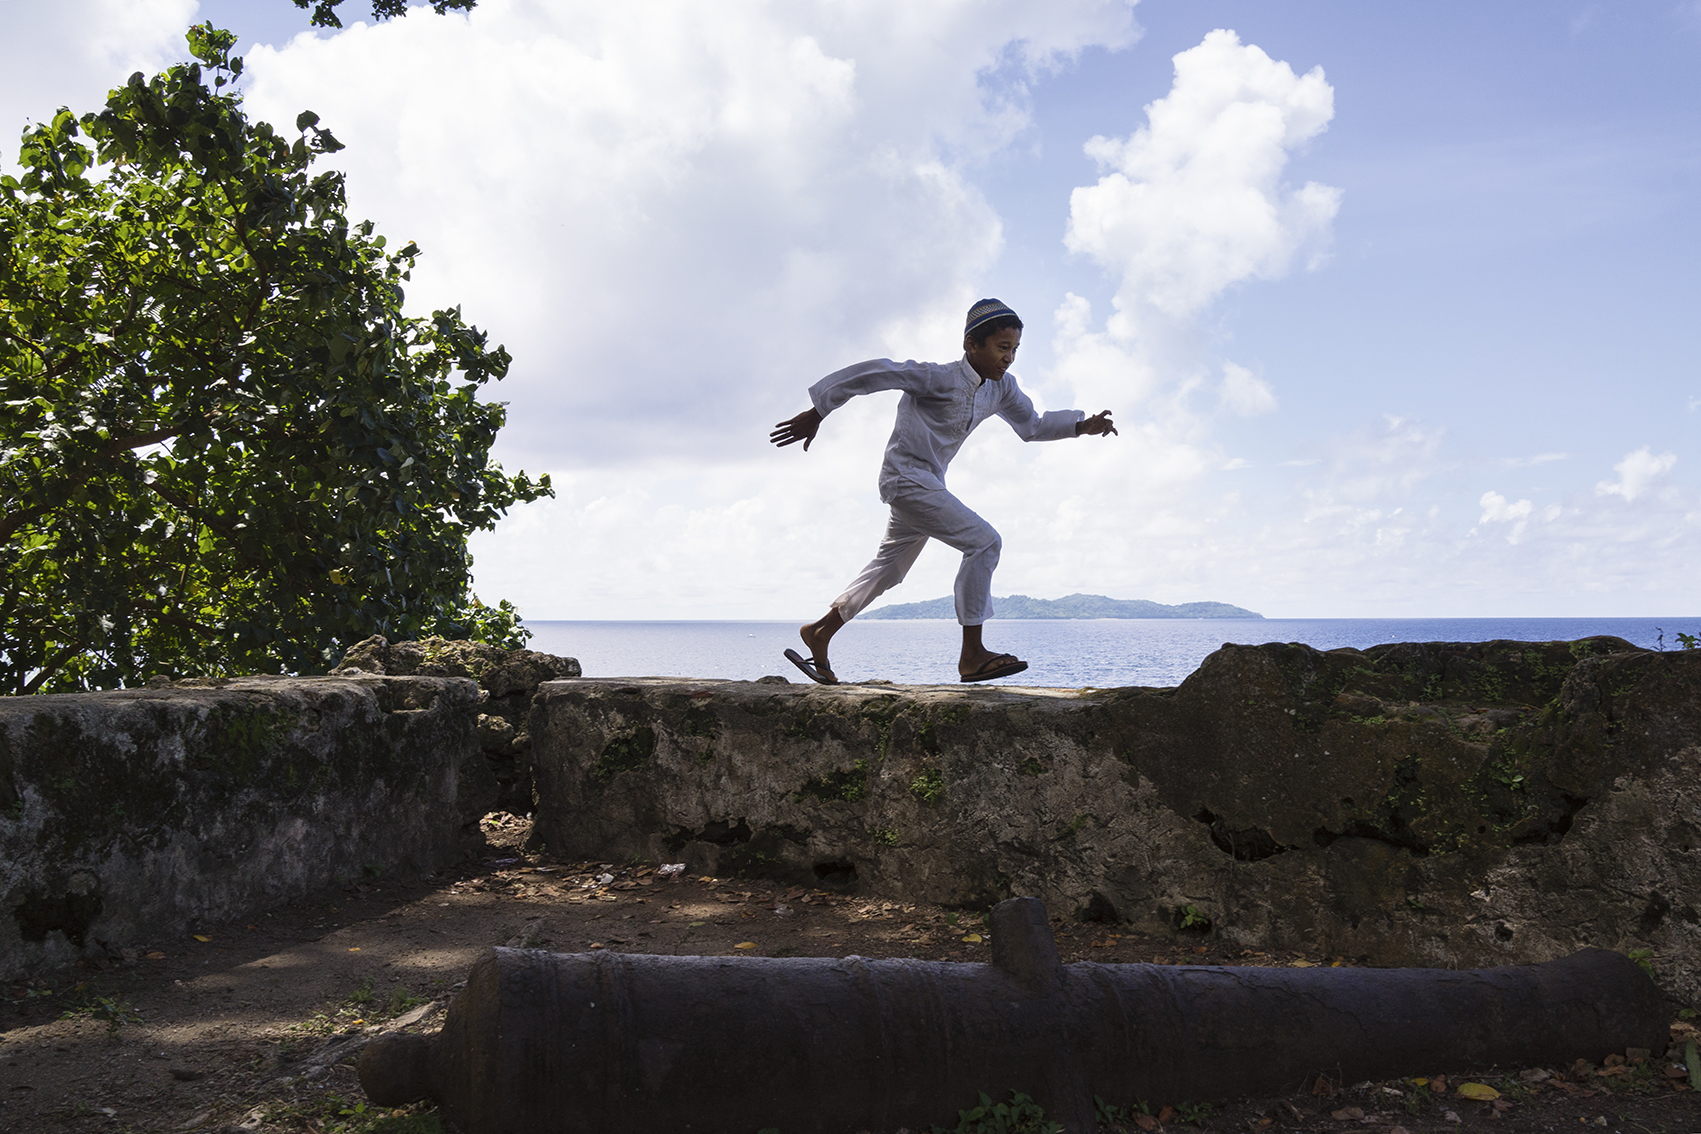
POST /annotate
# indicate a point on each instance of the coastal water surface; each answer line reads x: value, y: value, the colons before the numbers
x: 1071, y: 653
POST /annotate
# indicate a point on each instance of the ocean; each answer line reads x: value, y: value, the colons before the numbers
x: 1061, y: 653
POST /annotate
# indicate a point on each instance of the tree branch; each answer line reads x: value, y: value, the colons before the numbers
x: 52, y: 668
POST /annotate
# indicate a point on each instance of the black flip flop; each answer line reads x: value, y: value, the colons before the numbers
x: 817, y: 671
x: 1002, y: 665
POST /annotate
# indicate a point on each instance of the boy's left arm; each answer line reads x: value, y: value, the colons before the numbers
x: 1018, y: 410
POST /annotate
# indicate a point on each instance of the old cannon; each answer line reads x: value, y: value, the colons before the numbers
x: 541, y: 1043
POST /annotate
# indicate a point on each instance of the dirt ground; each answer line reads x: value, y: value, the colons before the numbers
x: 254, y: 1026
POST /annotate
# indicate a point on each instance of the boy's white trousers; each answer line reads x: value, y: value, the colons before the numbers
x: 916, y: 518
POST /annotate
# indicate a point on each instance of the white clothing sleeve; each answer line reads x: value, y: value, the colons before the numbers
x: 868, y: 377
x: 1018, y: 410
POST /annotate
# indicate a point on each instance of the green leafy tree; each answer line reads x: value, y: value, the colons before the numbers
x: 325, y: 11
x: 223, y: 447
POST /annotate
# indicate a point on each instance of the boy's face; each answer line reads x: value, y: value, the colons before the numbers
x: 996, y: 354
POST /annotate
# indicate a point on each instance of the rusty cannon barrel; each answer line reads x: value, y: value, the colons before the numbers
x: 541, y: 1043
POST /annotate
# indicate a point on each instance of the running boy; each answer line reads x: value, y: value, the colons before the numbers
x: 942, y: 404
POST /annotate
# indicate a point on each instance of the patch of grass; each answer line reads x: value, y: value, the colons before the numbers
x: 850, y: 786
x: 1189, y: 919
x: 1072, y: 828
x: 401, y: 1000
x: 624, y: 754
x: 885, y: 836
x: 331, y: 1114
x: 1119, y: 1118
x: 1195, y: 1113
x: 365, y: 1005
x: 1115, y: 1119
x: 928, y: 786
x: 115, y: 1009
x: 1418, y: 1097
x: 1021, y: 1115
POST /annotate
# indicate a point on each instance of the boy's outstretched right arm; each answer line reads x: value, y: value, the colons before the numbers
x: 802, y: 428
x: 840, y: 387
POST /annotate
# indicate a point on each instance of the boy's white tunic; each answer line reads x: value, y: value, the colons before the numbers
x: 941, y: 406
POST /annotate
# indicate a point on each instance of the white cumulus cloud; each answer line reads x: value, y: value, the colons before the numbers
x: 1636, y: 473
x: 1496, y: 509
x: 676, y: 215
x: 69, y: 53
x: 1193, y: 202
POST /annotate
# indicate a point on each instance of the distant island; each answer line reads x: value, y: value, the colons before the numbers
x: 1069, y: 606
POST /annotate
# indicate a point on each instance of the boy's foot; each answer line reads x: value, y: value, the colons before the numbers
x: 815, y: 637
x: 815, y: 668
x: 999, y: 665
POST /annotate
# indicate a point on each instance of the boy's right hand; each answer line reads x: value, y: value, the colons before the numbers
x: 800, y: 428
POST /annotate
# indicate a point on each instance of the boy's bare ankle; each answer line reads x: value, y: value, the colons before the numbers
x: 815, y: 637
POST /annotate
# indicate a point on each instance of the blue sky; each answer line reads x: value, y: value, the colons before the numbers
x: 1407, y: 293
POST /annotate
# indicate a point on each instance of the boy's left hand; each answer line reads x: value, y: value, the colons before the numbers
x: 1099, y: 423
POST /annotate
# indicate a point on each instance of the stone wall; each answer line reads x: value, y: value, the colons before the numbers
x: 1413, y: 804
x: 1417, y: 804
x: 128, y: 818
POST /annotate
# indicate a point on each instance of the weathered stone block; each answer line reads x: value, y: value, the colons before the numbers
x: 1412, y: 804
x: 128, y: 817
x: 507, y: 680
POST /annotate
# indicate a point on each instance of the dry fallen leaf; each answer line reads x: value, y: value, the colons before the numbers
x: 1347, y: 1114
x: 745, y: 945
x: 1145, y: 1122
x: 1166, y: 1114
x: 973, y: 939
x: 1304, y: 964
x: 198, y: 937
x: 156, y: 955
x: 1480, y: 1092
